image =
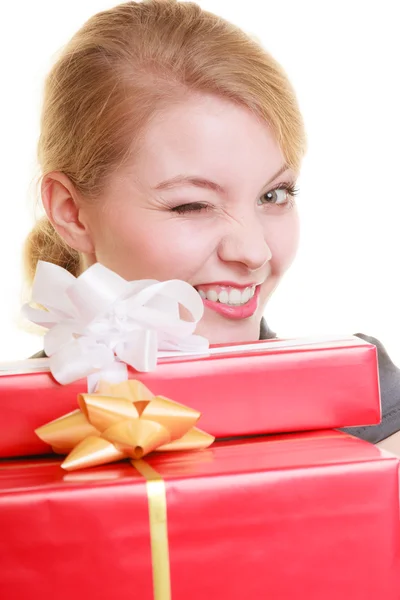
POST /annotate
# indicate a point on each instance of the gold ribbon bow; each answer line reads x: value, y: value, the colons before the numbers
x: 120, y: 421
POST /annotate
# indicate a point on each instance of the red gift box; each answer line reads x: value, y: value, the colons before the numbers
x: 308, y: 516
x: 248, y: 389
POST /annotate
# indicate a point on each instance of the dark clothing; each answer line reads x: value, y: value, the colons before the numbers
x: 389, y: 378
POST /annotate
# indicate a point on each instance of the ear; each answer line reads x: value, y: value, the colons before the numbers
x: 61, y: 203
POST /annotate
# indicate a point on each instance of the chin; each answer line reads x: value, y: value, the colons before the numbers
x: 230, y: 332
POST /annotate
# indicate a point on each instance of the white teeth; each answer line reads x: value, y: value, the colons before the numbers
x: 245, y: 295
x: 231, y: 296
x: 235, y: 297
x: 223, y: 297
x: 212, y: 295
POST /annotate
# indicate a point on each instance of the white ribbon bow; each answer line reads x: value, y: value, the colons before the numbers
x: 99, y: 322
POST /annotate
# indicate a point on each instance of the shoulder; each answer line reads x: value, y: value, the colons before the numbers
x: 389, y: 379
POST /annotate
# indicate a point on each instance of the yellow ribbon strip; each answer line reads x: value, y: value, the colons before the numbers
x: 127, y: 420
x: 157, y: 502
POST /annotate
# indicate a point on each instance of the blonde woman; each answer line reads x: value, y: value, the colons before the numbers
x: 170, y: 147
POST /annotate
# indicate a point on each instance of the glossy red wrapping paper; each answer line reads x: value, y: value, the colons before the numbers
x: 264, y: 387
x: 309, y: 516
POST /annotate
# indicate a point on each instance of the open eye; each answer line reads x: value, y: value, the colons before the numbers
x: 280, y: 195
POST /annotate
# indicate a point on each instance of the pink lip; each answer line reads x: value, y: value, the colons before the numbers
x: 235, y: 312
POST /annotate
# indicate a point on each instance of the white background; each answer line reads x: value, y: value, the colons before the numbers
x: 343, y: 59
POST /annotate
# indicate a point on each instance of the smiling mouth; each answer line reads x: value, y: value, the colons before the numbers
x: 229, y: 301
x: 228, y: 295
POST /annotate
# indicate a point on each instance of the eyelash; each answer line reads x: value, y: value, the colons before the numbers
x: 200, y: 206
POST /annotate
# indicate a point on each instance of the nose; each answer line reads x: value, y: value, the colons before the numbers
x: 245, y: 243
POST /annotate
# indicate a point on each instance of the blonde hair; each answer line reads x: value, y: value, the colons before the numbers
x: 126, y: 64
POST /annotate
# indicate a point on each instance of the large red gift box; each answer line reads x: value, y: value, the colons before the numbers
x: 269, y: 386
x: 308, y: 516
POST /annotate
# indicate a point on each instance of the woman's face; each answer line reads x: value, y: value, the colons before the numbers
x: 203, y: 200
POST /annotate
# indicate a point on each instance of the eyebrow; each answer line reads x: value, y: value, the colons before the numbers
x: 200, y: 182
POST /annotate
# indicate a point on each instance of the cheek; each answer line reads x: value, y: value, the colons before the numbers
x: 143, y: 247
x: 282, y: 236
